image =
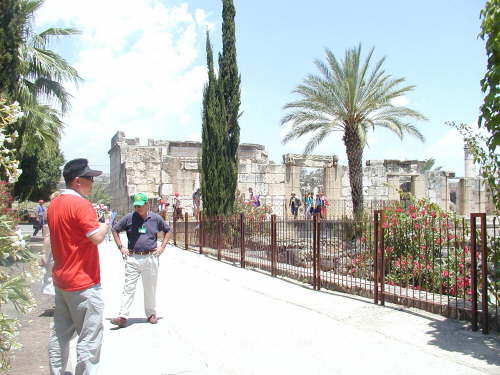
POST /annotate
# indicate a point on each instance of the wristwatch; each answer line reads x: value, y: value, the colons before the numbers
x: 120, y: 247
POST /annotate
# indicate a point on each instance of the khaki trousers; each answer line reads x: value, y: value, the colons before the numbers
x: 140, y: 265
x: 80, y: 312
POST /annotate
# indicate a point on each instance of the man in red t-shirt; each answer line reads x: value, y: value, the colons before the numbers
x: 74, y: 236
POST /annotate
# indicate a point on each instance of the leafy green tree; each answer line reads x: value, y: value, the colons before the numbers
x: 490, y: 110
x: 39, y: 178
x: 213, y: 157
x: 43, y: 74
x: 11, y: 38
x: 100, y: 194
x: 230, y: 84
x: 349, y: 99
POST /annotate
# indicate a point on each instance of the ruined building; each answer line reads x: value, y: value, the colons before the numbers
x: 161, y: 168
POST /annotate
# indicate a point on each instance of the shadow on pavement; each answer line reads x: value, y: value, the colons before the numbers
x: 132, y: 321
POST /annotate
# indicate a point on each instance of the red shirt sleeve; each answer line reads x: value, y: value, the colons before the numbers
x: 86, y: 217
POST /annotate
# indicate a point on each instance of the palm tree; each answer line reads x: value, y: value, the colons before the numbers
x: 41, y: 93
x: 347, y: 98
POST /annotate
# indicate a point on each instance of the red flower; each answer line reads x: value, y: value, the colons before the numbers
x: 414, y: 215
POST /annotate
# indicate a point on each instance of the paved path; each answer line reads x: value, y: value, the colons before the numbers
x: 220, y: 319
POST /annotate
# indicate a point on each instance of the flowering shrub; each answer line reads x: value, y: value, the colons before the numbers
x: 427, y: 248
x: 18, y: 266
x: 9, y: 113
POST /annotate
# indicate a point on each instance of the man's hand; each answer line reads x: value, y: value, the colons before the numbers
x: 125, y: 252
x: 157, y: 251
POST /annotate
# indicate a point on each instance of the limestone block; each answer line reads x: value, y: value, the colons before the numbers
x: 258, y: 177
x: 244, y: 168
x: 276, y: 169
x: 258, y: 168
x: 381, y: 192
x: 346, y: 192
x: 245, y: 178
x: 274, y: 178
x: 276, y: 189
x: 166, y: 189
x: 191, y: 166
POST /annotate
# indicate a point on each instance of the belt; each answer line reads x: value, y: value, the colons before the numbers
x: 140, y: 252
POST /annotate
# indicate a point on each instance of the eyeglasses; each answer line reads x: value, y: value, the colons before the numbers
x: 90, y: 178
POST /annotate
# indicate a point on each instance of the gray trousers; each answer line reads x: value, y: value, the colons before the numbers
x: 140, y: 265
x: 80, y: 312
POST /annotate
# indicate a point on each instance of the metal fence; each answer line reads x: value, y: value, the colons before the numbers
x: 444, y: 265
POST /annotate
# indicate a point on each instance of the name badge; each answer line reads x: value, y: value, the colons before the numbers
x: 142, y: 229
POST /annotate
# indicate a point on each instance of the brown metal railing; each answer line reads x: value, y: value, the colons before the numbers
x: 429, y: 264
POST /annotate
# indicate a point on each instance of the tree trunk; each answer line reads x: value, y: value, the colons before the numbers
x: 354, y: 150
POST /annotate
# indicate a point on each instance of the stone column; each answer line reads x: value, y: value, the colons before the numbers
x: 418, y: 186
x: 469, y: 163
x: 393, y: 188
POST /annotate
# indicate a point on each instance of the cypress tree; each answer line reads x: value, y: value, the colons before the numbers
x: 11, y: 38
x: 213, y: 158
x: 230, y: 87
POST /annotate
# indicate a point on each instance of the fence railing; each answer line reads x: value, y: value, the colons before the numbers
x: 439, y: 264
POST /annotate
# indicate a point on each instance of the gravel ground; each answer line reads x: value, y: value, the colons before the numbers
x: 32, y: 358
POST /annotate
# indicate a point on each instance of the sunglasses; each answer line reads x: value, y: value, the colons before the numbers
x: 90, y: 178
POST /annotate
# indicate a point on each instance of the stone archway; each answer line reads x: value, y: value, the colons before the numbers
x: 332, y: 175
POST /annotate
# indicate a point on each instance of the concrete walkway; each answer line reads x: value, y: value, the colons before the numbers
x: 220, y: 319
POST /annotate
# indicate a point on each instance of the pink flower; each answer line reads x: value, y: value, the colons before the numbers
x: 414, y: 215
x: 423, y: 212
x: 445, y: 274
x: 399, y: 209
x: 433, y: 214
x: 417, y: 226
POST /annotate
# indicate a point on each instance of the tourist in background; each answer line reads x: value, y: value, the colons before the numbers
x: 39, y: 218
x: 177, y: 207
x: 196, y: 203
x: 47, y: 261
x: 317, y: 204
x: 308, y: 202
x: 294, y: 205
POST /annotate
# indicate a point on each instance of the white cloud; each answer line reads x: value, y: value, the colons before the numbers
x: 138, y: 59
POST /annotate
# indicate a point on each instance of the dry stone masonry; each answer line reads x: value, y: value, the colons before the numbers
x: 162, y: 168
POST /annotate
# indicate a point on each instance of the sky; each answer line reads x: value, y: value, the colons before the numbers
x: 144, y: 68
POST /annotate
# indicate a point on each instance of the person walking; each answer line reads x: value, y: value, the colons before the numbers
x: 47, y: 260
x: 294, y: 205
x: 308, y: 203
x: 74, y: 236
x: 177, y: 207
x: 39, y: 217
x: 141, y: 256
x: 196, y: 203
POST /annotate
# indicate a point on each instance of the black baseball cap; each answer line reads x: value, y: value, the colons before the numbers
x: 78, y: 168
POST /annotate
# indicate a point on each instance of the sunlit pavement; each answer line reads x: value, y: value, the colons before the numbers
x: 219, y: 319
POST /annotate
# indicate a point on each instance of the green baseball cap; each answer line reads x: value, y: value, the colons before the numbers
x: 140, y: 199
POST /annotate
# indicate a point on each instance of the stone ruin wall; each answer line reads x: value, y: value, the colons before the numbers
x: 163, y: 167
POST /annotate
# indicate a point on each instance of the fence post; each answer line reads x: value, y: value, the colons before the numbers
x: 273, y: 246
x: 473, y: 269
x: 242, y: 240
x: 315, y: 240
x: 484, y: 275
x: 376, y: 215
x: 218, y: 225
x: 200, y: 231
x: 186, y: 218
x: 382, y: 260
x: 317, y: 259
x: 175, y: 230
